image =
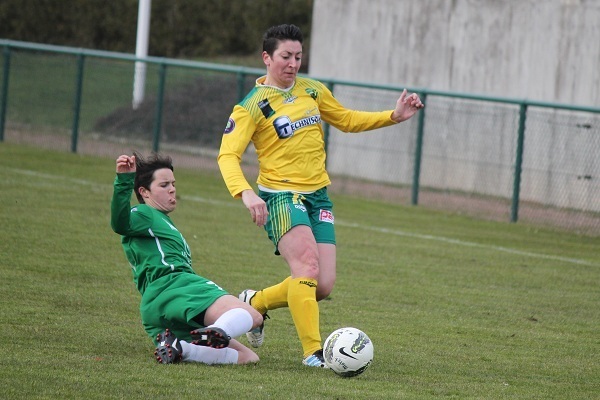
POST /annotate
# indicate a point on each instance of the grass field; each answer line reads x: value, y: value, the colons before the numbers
x: 457, y: 308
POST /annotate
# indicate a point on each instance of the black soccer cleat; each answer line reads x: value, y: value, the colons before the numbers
x: 169, y: 349
x: 210, y: 337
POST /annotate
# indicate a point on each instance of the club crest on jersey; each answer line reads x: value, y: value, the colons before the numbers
x: 285, y: 128
x: 312, y: 93
x: 290, y: 100
x: 326, y: 216
x: 230, y: 126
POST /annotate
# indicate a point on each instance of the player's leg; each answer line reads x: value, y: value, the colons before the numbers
x: 232, y: 315
x: 289, y: 228
x: 236, y: 353
x: 263, y: 300
x: 320, y: 209
x: 245, y: 355
x: 187, y: 302
x: 171, y: 350
x: 226, y: 317
x: 269, y: 298
x: 327, y: 269
x: 286, y: 210
x: 275, y: 296
x: 299, y: 249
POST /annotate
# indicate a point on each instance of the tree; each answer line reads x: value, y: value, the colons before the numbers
x: 178, y: 28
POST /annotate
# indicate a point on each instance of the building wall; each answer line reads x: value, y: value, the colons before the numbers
x: 547, y: 50
x: 544, y: 50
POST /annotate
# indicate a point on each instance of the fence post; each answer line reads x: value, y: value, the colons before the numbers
x: 418, y: 152
x: 514, y: 211
x: 162, y: 73
x: 3, y: 105
x: 77, y: 103
x: 241, y: 79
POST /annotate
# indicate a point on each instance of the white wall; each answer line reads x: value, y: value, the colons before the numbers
x: 545, y: 50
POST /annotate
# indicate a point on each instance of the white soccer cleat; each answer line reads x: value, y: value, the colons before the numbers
x: 255, y: 336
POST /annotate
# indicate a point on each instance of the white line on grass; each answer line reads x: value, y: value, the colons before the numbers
x: 37, y: 174
x: 469, y: 244
x: 341, y: 223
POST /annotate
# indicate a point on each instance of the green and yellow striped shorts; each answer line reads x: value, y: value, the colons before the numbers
x: 289, y: 209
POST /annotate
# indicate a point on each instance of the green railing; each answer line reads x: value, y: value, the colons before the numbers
x: 82, y: 54
x: 243, y: 78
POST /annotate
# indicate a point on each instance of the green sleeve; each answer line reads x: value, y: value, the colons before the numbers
x: 120, y: 207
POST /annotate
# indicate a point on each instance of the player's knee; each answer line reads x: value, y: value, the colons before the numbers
x: 257, y: 318
x: 305, y: 264
x: 324, y: 289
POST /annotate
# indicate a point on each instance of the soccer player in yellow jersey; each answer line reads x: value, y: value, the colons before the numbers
x: 282, y: 117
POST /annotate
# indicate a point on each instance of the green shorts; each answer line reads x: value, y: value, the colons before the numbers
x: 174, y: 300
x: 289, y: 209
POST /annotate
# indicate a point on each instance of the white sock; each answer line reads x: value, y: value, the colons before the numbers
x: 234, y: 322
x: 207, y: 355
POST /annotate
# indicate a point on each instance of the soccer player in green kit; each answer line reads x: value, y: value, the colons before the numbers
x: 282, y: 117
x: 189, y: 317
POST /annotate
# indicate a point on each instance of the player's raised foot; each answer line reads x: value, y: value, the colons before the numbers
x: 315, y: 360
x: 211, y: 336
x: 256, y: 336
x: 169, y: 349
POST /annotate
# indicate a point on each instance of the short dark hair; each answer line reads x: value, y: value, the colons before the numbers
x: 145, y: 168
x: 278, y: 33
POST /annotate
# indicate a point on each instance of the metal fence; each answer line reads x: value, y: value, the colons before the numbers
x: 493, y: 158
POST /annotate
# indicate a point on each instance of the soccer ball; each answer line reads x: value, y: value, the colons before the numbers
x: 348, y: 352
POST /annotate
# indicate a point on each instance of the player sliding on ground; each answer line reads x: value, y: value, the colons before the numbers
x: 190, y: 318
x: 282, y: 117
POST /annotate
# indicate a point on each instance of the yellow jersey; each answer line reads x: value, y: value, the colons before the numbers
x: 286, y: 129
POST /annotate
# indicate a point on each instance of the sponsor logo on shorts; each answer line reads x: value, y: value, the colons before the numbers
x: 230, y: 126
x: 326, y: 216
x: 300, y: 207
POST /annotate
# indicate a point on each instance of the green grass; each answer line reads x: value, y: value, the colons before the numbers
x: 457, y: 308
